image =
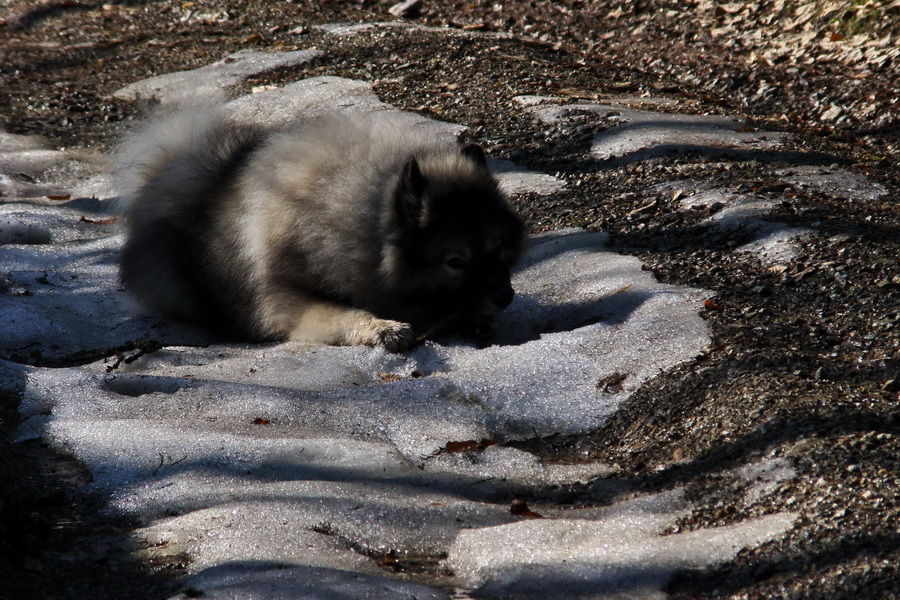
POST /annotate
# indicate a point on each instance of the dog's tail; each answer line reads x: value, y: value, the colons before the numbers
x: 193, y: 146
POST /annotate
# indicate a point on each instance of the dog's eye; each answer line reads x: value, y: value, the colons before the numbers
x: 456, y: 263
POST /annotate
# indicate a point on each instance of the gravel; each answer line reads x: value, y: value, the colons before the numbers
x: 806, y: 359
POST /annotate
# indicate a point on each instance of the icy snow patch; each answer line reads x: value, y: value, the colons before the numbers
x: 262, y: 581
x: 347, y: 29
x: 253, y: 459
x: 834, y: 181
x: 640, y: 134
x: 582, y: 314
x: 616, y: 554
x: 517, y: 180
x: 764, y: 476
x: 29, y: 168
x: 283, y: 106
x: 741, y: 213
x: 210, y: 81
x: 276, y: 469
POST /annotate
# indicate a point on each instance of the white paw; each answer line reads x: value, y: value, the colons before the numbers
x: 393, y: 335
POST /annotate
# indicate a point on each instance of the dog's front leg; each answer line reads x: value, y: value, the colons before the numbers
x: 300, y: 317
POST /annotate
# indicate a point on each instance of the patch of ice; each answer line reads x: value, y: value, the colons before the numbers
x: 771, y: 242
x: 210, y: 81
x: 260, y: 581
x: 29, y: 168
x: 645, y: 134
x: 347, y: 29
x: 276, y: 469
x: 317, y: 95
x: 838, y: 182
x: 775, y: 243
x: 65, y: 304
x: 519, y: 180
x: 637, y: 134
x: 618, y: 554
x: 764, y: 477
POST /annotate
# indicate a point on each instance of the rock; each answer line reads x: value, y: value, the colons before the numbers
x: 408, y: 9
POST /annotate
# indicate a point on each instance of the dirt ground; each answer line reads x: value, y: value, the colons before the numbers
x: 805, y: 362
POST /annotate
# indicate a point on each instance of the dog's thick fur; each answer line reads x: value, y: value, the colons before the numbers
x: 343, y: 230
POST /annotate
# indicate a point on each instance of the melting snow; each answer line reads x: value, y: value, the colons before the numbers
x: 277, y: 469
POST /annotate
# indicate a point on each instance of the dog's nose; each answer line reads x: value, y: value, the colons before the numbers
x: 502, y: 297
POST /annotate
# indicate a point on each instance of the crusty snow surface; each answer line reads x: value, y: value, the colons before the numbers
x: 280, y: 470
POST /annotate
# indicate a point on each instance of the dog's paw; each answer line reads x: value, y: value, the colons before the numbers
x: 393, y: 335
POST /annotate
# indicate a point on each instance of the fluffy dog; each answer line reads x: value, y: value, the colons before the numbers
x: 342, y: 230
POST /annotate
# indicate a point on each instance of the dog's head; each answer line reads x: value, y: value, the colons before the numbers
x: 454, y: 239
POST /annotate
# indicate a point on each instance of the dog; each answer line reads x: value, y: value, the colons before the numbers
x: 343, y: 229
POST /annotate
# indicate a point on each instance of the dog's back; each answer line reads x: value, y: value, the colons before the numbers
x: 315, y: 232
x: 176, y: 180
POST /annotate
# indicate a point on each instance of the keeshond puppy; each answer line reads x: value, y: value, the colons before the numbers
x: 342, y: 230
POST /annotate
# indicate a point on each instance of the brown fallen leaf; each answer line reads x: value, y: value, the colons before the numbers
x: 711, y: 305
x: 469, y: 446
x: 108, y: 221
x: 520, y: 509
x: 389, y: 559
x: 644, y: 209
x: 612, y: 384
x: 261, y: 421
x: 385, y: 376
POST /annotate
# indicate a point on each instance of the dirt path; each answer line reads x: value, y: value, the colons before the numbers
x: 804, y: 365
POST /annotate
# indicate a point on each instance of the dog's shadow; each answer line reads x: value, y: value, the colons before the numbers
x: 527, y: 319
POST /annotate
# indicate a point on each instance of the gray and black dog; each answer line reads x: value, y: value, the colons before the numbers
x: 341, y: 230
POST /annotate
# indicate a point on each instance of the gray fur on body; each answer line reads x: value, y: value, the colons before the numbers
x: 307, y: 234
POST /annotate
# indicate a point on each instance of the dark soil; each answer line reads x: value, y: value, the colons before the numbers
x: 805, y: 362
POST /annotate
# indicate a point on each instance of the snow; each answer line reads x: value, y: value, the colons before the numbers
x: 616, y: 554
x: 638, y: 134
x: 835, y: 181
x: 213, y: 79
x: 278, y: 470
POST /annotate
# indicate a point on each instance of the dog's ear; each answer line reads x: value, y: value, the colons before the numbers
x: 475, y: 153
x: 410, y: 200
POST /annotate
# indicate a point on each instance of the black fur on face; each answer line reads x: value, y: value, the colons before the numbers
x: 457, y: 241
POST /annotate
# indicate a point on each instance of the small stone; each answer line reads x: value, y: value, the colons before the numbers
x: 832, y: 113
x: 407, y: 9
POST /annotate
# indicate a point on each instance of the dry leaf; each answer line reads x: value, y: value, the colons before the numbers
x: 711, y: 305
x: 385, y: 376
x: 469, y: 445
x: 520, y: 509
x: 612, y: 384
x: 108, y: 221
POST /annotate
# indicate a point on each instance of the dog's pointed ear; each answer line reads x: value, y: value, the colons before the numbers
x: 475, y: 153
x: 411, y: 203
